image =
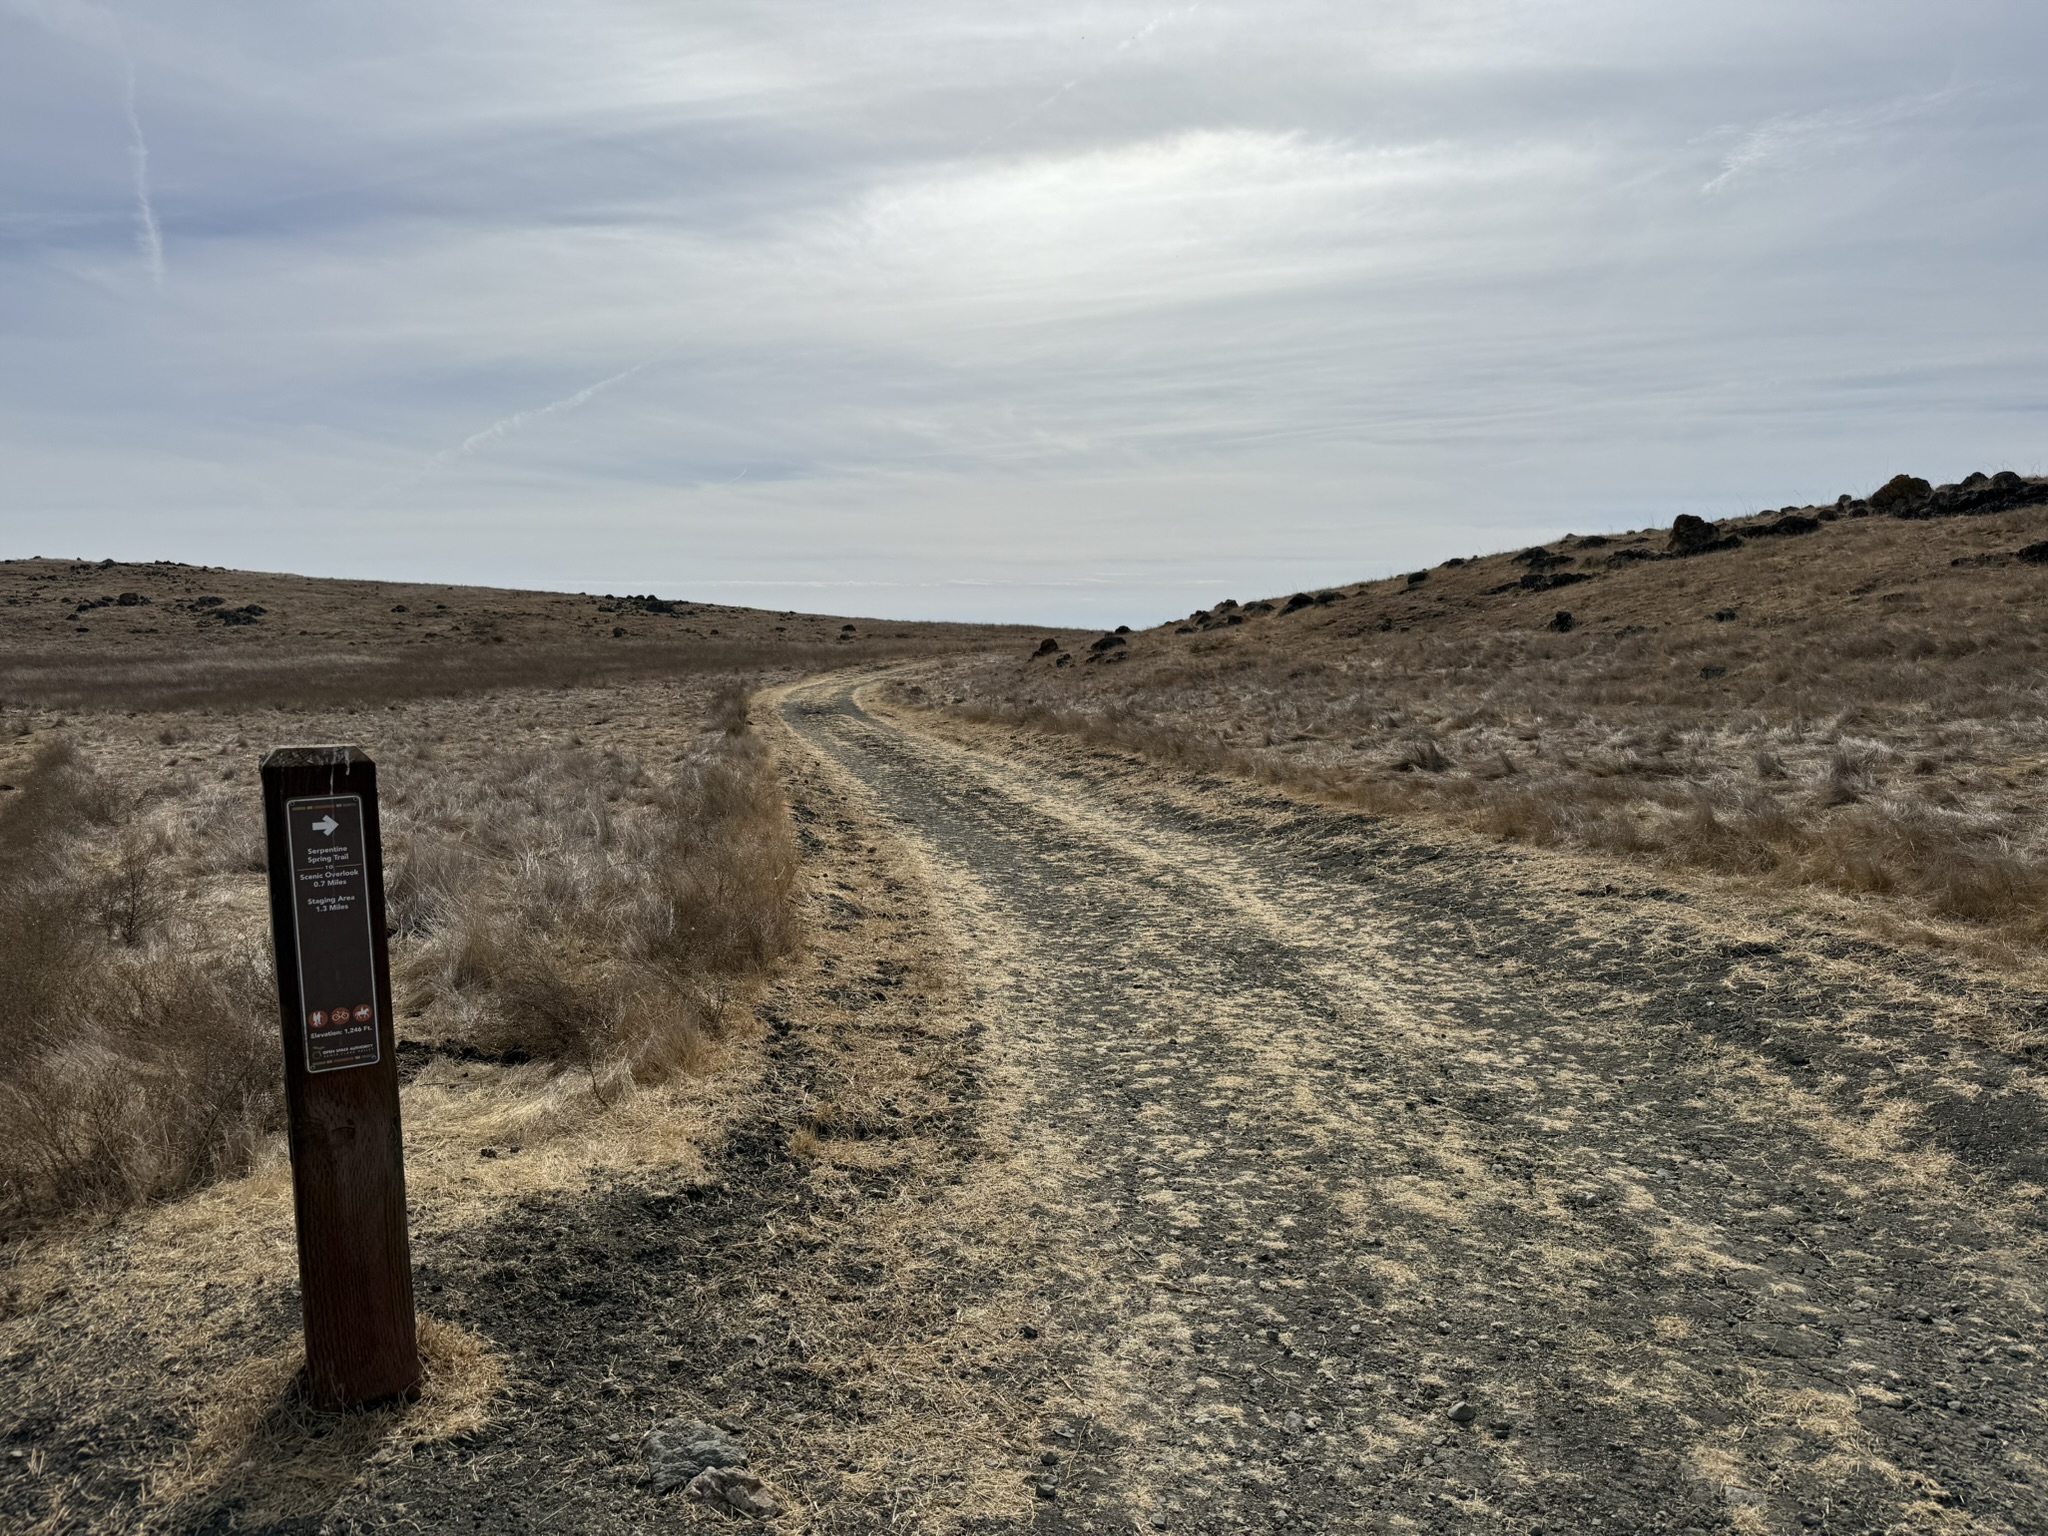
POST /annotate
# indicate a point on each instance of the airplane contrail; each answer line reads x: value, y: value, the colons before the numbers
x: 149, y: 236
x: 504, y: 427
x: 521, y: 419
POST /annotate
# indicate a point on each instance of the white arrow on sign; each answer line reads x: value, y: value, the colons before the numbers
x: 326, y: 826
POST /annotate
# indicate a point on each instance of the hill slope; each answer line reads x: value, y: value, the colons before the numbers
x: 82, y: 634
x: 1848, y: 697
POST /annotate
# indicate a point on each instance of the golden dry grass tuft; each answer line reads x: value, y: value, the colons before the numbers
x: 263, y: 1450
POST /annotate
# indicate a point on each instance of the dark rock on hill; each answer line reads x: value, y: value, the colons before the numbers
x: 1980, y: 495
x: 1696, y: 536
x: 1900, y: 496
x: 1785, y: 525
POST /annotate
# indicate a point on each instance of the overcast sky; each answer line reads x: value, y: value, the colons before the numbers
x: 1069, y: 311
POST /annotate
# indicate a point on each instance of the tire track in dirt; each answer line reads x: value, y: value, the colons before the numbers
x: 1339, y: 1127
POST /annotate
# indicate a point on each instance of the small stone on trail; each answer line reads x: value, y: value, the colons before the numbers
x: 679, y: 1450
x: 1048, y: 1488
x: 1049, y: 1459
x: 1292, y: 1423
x: 737, y: 1492
x: 1462, y: 1413
x: 1028, y: 1331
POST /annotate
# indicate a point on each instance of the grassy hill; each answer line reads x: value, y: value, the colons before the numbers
x: 161, y: 635
x: 1846, y: 697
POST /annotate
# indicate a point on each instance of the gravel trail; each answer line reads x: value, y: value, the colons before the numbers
x: 1394, y: 1182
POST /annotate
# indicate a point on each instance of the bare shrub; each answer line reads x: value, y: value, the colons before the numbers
x: 1423, y: 756
x: 127, y: 896
x: 725, y: 868
x: 131, y: 1074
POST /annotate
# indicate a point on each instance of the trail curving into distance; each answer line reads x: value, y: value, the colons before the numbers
x: 1340, y: 1125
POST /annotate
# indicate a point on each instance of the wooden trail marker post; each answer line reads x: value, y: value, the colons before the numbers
x: 340, y: 1073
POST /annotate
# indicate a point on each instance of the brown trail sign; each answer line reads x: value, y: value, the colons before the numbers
x: 341, y: 1073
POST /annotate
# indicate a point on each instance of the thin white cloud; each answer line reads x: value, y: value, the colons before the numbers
x: 149, y: 239
x: 1797, y: 140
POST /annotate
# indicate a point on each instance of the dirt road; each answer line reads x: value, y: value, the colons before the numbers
x: 1130, y: 1152
x: 1387, y: 1182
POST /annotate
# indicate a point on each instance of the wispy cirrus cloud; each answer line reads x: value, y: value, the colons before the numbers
x: 1798, y: 141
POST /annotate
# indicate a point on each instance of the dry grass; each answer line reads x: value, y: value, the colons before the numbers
x: 570, y: 905
x: 583, y: 907
x: 1860, y: 709
x: 153, y: 637
x: 138, y: 1067
x: 266, y: 1452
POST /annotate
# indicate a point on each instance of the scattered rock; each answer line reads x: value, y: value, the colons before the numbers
x: 734, y: 1492
x: 1123, y: 629
x: 1462, y: 1413
x: 1046, y: 647
x: 2033, y: 554
x: 1708, y: 674
x: 1724, y: 615
x: 679, y: 1450
x: 1064, y: 661
x: 1292, y: 1423
x: 1108, y: 642
x: 1049, y: 1459
x: 1696, y: 536
x: 1786, y: 525
x: 1547, y: 581
x: 1417, y: 578
x: 1902, y: 495
x: 1537, y: 558
x: 1048, y: 1487
x: 1299, y: 601
x: 1561, y: 621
